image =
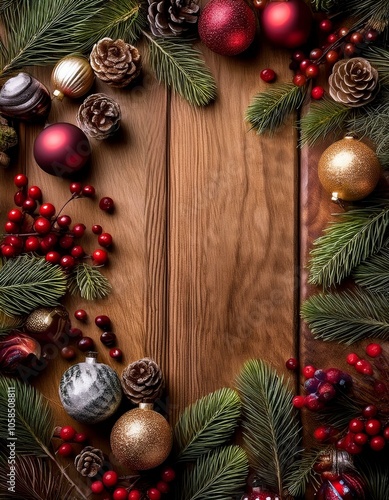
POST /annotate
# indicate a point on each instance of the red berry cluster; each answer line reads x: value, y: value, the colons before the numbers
x: 70, y: 437
x: 34, y: 226
x: 108, y: 337
x: 321, y: 387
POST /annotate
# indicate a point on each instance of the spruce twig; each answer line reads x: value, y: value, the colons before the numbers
x: 89, y: 282
x: 374, y: 471
x: 375, y: 13
x: 268, y: 110
x: 302, y: 473
x: 207, y: 424
x: 179, y: 65
x: 348, y: 316
x: 270, y: 426
x: 346, y: 242
x: 323, y: 5
x: 373, y: 273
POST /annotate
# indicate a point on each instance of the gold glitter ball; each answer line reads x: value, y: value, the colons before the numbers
x: 349, y: 170
x: 141, y: 439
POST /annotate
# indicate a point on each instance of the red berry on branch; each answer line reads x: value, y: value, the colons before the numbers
x: 163, y: 487
x: 309, y: 371
x: 80, y: 437
x: 106, y: 204
x: 343, y: 31
x: 47, y: 210
x: 385, y: 432
x: 67, y: 261
x: 53, y: 257
x: 97, y: 229
x: 67, y: 433
x: 29, y: 205
x: 352, y: 358
x: 120, y: 494
x: 65, y: 450
x: 11, y: 227
x: 332, y: 56
x: 361, y: 438
x: 105, y: 240
x: 78, y: 230
x: 332, y: 38
x: 299, y: 80
x: 353, y: 448
x: 64, y: 221
x: 268, y: 75
x: 349, y: 49
x: 316, y: 54
x: 373, y: 350
x: 80, y: 314
x: 8, y: 251
x: 370, y: 411
x: 312, y: 71
x: 31, y: 244
x: 77, y: 252
x: 317, y: 92
x: 154, y: 494
x: 135, y: 495
x: 20, y: 180
x: 321, y: 433
x: 364, y: 367
x: 372, y: 427
x: 97, y: 487
x: 75, y: 187
x: 35, y: 193
x: 356, y: 425
x: 356, y: 38
x: 15, y: 215
x: 100, y: 257
x: 88, y: 191
x: 371, y: 35
x: 110, y: 478
x: 326, y: 25
x: 298, y: 56
x: 298, y: 401
x: 304, y: 65
x: 19, y: 198
x: 66, y: 242
x: 377, y: 443
x: 86, y: 344
x: 42, y: 225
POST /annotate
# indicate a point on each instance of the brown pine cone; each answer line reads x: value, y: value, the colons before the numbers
x: 115, y: 62
x: 142, y: 381
x: 99, y: 116
x: 89, y: 461
x: 353, y: 82
x: 172, y: 17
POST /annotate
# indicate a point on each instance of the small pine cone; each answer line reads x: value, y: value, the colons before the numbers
x: 115, y: 62
x: 89, y: 461
x: 142, y: 381
x: 8, y: 137
x: 172, y: 17
x: 353, y: 82
x: 99, y: 116
x: 5, y: 160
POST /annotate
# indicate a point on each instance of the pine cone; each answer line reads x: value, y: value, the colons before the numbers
x: 89, y: 461
x: 172, y: 17
x: 142, y: 381
x: 115, y: 62
x: 353, y: 82
x: 99, y: 116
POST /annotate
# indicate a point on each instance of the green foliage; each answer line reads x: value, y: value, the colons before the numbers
x: 379, y: 58
x: 323, y: 5
x: 220, y: 474
x: 268, y: 110
x: 28, y: 282
x: 207, y: 424
x: 373, y: 12
x: 302, y: 473
x: 355, y: 236
x: 374, y: 470
x: 8, y: 323
x: 348, y: 316
x: 324, y: 118
x: 40, y: 33
x: 179, y: 65
x: 88, y: 281
x: 373, y: 273
x: 270, y: 425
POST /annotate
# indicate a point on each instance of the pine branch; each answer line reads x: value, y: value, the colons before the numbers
x: 6, y: 4
x: 373, y: 273
x: 270, y: 426
x: 379, y: 58
x: 268, y: 110
x: 323, y: 5
x: 302, y: 473
x: 123, y: 19
x: 375, y: 13
x: 219, y: 474
x: 324, y: 118
x: 8, y: 323
x: 355, y: 236
x: 347, y: 317
x: 40, y: 33
x: 374, y: 471
x: 89, y: 282
x: 179, y: 65
x: 28, y: 282
x: 207, y: 424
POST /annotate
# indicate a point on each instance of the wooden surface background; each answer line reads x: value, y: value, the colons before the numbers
x: 211, y: 231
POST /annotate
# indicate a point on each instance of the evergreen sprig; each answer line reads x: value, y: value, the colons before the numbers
x: 375, y: 13
x: 346, y: 242
x: 89, y: 282
x: 179, y: 65
x: 40, y: 33
x: 8, y: 323
x: 323, y: 5
x: 378, y: 57
x: 324, y: 118
x: 348, y: 316
x: 270, y: 426
x: 373, y: 273
x: 268, y: 110
x: 374, y: 471
x: 219, y: 474
x: 28, y: 282
x: 302, y: 473
x: 207, y: 424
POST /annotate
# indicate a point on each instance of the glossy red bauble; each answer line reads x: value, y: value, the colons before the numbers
x: 62, y: 149
x: 227, y: 27
x: 287, y: 24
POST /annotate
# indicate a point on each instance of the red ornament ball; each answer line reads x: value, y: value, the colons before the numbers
x: 227, y: 27
x: 62, y: 149
x: 287, y: 24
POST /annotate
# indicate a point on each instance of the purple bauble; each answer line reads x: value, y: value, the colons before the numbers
x: 62, y: 149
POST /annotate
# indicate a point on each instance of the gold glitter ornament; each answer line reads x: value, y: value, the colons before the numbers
x: 72, y: 76
x: 142, y: 438
x: 349, y: 170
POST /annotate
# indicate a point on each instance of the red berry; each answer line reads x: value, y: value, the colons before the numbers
x: 361, y: 438
x: 268, y: 75
x: 15, y: 215
x: 356, y: 425
x: 299, y: 80
x: 14, y: 241
x: 65, y: 450
x: 313, y: 403
x: 19, y: 198
x: 66, y: 242
x: 135, y: 495
x: 373, y: 350
x: 116, y: 353
x: 372, y: 427
x: 100, y: 257
x: 120, y: 494
x: 106, y: 204
x: 163, y: 487
x: 309, y: 371
x: 356, y: 38
x: 80, y: 314
x: 48, y: 242
x: 77, y: 252
x: 168, y: 474
x: 154, y: 494
x: 321, y: 433
x: 377, y: 443
x: 64, y: 221
x: 333, y: 375
x: 11, y: 227
x: 315, y: 54
x: 385, y: 432
x: 349, y: 49
x: 67, y: 433
x: 312, y: 71
x: 78, y: 230
x: 85, y: 344
x: 304, y: 65
x: 371, y: 35
x: 35, y: 192
x: 353, y: 448
x: 31, y: 244
x: 8, y: 251
x: 108, y: 339
x: 298, y: 56
x: 67, y: 262
x: 20, y: 180
x: 370, y: 411
x: 42, y: 225
x: 97, y: 229
x: 53, y: 257
x: 332, y: 56
x: 110, y: 478
x: 298, y: 401
x: 326, y: 391
x: 29, y: 205
x: 317, y: 92
x: 47, y: 210
x: 332, y: 38
x: 68, y: 352
x: 80, y: 437
x: 97, y: 487
x: 103, y: 322
x: 75, y: 187
x: 352, y: 358
x: 88, y: 191
x: 326, y: 25
x: 363, y: 366
x: 292, y: 364
x: 105, y: 240
x: 75, y: 333
x: 379, y: 388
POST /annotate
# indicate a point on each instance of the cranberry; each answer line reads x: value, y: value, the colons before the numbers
x: 370, y: 411
x: 97, y: 229
x: 377, y: 443
x: 356, y: 425
x: 343, y: 31
x: 97, y: 487
x: 332, y: 56
x: 31, y: 244
x: 317, y: 92
x: 11, y: 227
x: 65, y: 450
x: 78, y: 230
x: 326, y: 25
x: 268, y: 75
x: 67, y: 261
x: 373, y: 350
x: 349, y: 49
x: 163, y: 487
x: 68, y: 352
x: 333, y: 375
x: 356, y: 38
x: 103, y: 322
x: 42, y: 225
x: 75, y: 333
x: 371, y: 35
x: 120, y: 494
x: 332, y: 38
x: 108, y: 339
x: 88, y: 191
x: 77, y: 252
x: 15, y: 215
x: 66, y: 242
x: 8, y: 251
x: 14, y: 241
x: 110, y: 478
x: 361, y: 438
x: 106, y: 204
x: 385, y: 432
x: 19, y: 198
x: 80, y: 437
x: 311, y: 385
x: 326, y: 391
x: 304, y: 65
x: 298, y: 401
x: 86, y: 344
x: 321, y: 433
x: 116, y: 353
x: 363, y: 366
x: 313, y: 403
x: 372, y: 427
x: 353, y: 448
x: 53, y: 257
x: 75, y: 187
x: 29, y: 205
x: 48, y: 242
x: 67, y: 433
x: 154, y: 494
x: 135, y: 495
x: 352, y: 358
x: 100, y: 256
x: 64, y: 221
x: 309, y: 371
x: 292, y: 364
x: 315, y: 54
x: 105, y: 240
x: 299, y: 80
x: 20, y: 180
x: 298, y: 56
x: 80, y: 314
x: 47, y: 210
x: 35, y: 193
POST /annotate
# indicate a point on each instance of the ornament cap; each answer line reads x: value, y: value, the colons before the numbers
x: 91, y: 357
x: 58, y: 94
x: 146, y: 406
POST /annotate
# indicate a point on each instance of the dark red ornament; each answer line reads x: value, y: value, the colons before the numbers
x: 287, y: 23
x: 62, y: 149
x: 227, y: 27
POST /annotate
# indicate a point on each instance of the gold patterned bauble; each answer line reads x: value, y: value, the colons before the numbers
x: 47, y: 323
x: 142, y: 438
x: 72, y: 76
x: 349, y: 170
